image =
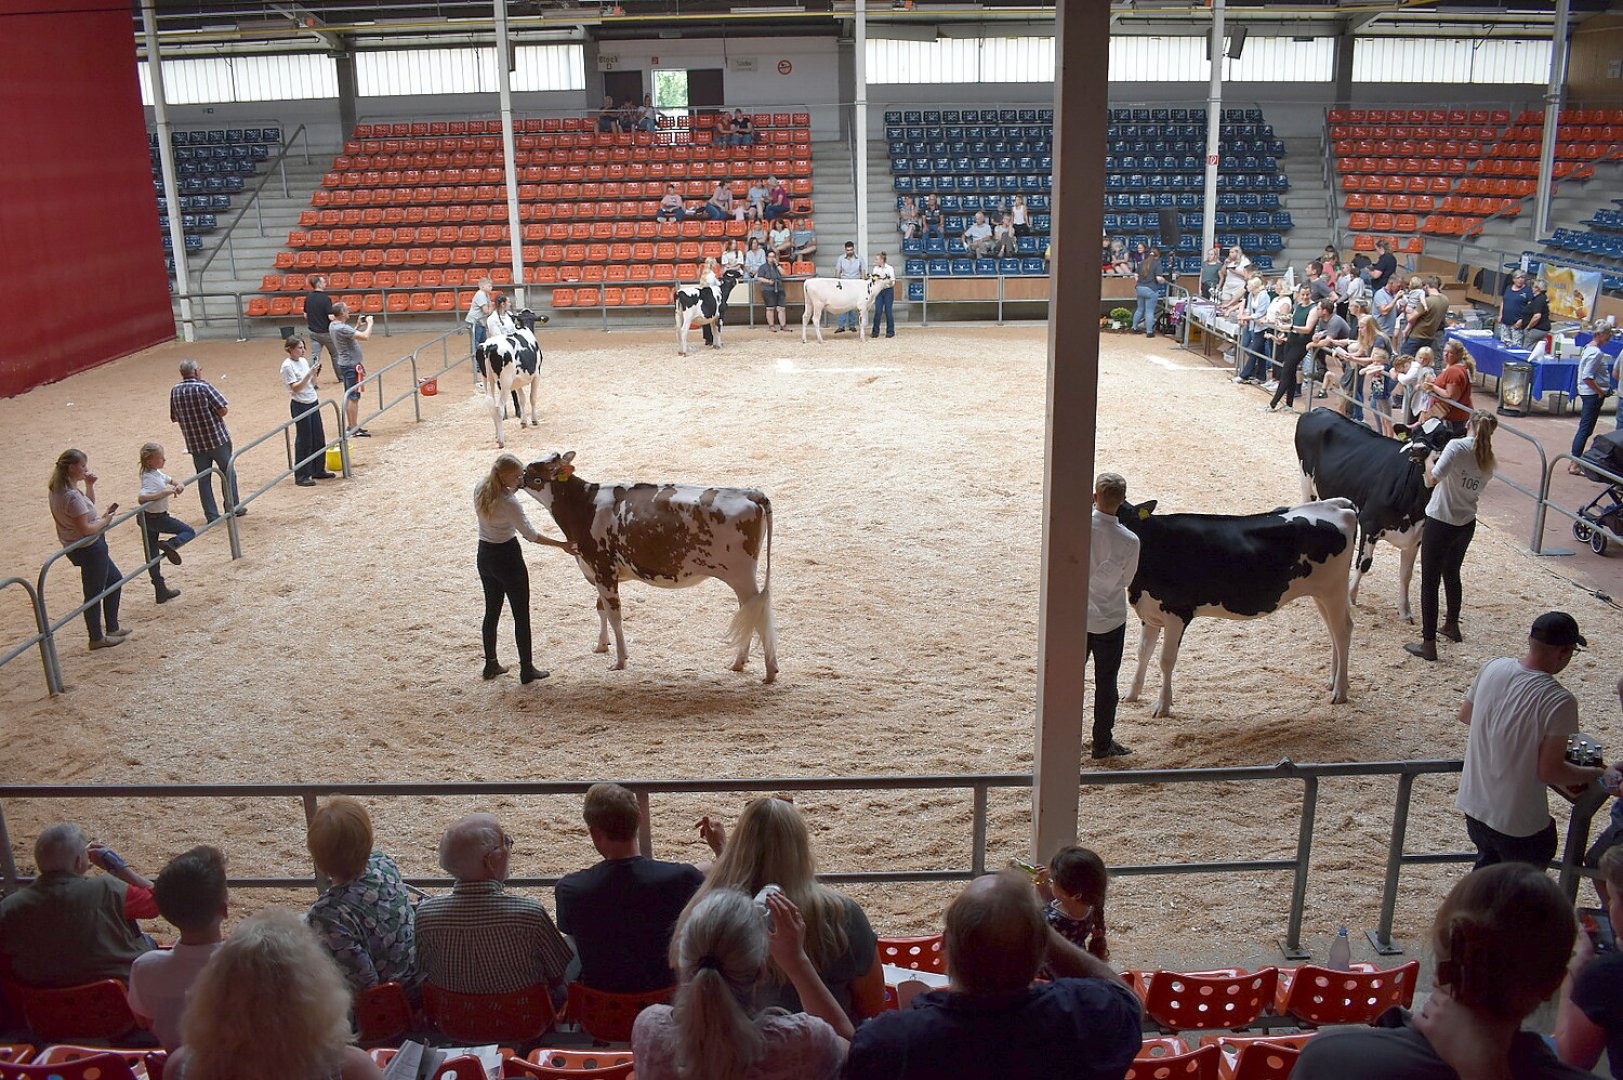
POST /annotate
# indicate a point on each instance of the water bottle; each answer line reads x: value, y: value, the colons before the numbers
x: 1340, y: 952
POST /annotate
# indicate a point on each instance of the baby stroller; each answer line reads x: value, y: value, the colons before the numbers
x: 1606, y: 509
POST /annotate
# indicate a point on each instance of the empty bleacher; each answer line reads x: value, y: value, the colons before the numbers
x: 211, y: 165
x: 417, y: 211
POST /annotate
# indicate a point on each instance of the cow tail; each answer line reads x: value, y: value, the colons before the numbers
x: 755, y: 614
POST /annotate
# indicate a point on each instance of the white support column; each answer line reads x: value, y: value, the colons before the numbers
x: 166, y: 162
x: 860, y: 120
x: 504, y: 84
x: 1214, y: 132
x: 1552, y: 121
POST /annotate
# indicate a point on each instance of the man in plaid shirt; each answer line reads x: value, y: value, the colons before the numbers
x: 481, y: 939
x: 200, y: 411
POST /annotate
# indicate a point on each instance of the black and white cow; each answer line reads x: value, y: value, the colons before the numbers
x: 1343, y: 459
x: 703, y: 306
x: 1239, y: 568
x: 671, y: 535
x: 512, y: 363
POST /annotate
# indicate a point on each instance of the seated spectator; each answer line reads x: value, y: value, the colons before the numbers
x: 907, y: 219
x: 481, y: 939
x: 621, y: 913
x: 933, y: 218
x: 66, y: 927
x: 743, y: 129
x: 777, y: 199
x: 270, y: 1005
x: 720, y: 206
x: 1501, y: 941
x: 723, y: 130
x: 780, y: 241
x: 647, y: 115
x: 1020, y: 214
x: 1136, y: 257
x: 627, y: 120
x: 1106, y: 260
x: 731, y: 258
x: 672, y: 206
x: 770, y: 846
x: 757, y: 231
x: 991, y: 1020
x: 1073, y: 887
x: 1590, y: 1016
x: 608, y: 117
x: 715, y: 1029
x: 754, y: 257
x: 365, y: 916
x: 192, y: 897
x: 1003, y: 241
x: 804, y: 242
x: 756, y: 197
x: 978, y: 237
x: 1121, y: 260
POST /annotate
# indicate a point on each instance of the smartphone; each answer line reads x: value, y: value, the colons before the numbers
x: 1598, y: 925
x: 113, y: 509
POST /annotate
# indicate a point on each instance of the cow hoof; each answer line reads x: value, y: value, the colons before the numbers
x: 618, y: 665
x: 1131, y: 697
x: 1159, y: 711
x: 600, y: 649
x: 771, y: 676
x: 1409, y: 619
x: 739, y: 666
x: 1338, y: 699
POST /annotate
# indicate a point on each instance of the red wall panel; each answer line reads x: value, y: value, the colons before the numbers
x: 82, y: 276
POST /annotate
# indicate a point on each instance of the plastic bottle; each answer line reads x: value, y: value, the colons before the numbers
x: 1340, y: 952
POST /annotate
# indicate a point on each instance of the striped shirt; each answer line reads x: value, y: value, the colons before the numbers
x: 481, y: 939
x: 196, y: 406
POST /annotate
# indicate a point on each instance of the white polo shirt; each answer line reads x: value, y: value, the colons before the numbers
x: 1112, y: 562
x: 1513, y: 708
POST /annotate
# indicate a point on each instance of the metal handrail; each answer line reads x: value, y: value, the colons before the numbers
x: 284, y: 429
x: 43, y: 638
x: 280, y: 162
x: 376, y: 377
x: 1545, y: 503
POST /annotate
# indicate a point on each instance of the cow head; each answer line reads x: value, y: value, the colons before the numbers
x: 554, y: 468
x: 529, y: 319
x: 1131, y: 516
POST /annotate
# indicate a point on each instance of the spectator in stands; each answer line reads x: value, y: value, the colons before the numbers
x: 1349, y: 290
x: 907, y: 219
x: 365, y: 917
x: 720, y: 206
x: 1386, y: 306
x: 503, y: 574
x: 647, y: 115
x: 978, y: 236
x: 672, y: 206
x: 317, y: 316
x: 1020, y: 216
x: 1331, y: 258
x: 755, y: 210
x: 743, y: 129
x: 346, y: 347
x: 192, y: 897
x: 157, y: 523
x: 884, y: 301
x: 1501, y: 938
x: 246, y: 1022
x: 1330, y: 332
x: 1537, y: 318
x: 1135, y: 257
x: 627, y: 120
x: 74, y: 512
x: 1231, y: 281
x: 200, y: 410
x: 621, y: 913
x: 1317, y: 285
x: 1383, y: 271
x: 1594, y: 387
x: 1304, y: 321
x: 1148, y: 291
x: 1121, y: 260
x: 480, y: 939
x: 1211, y: 269
x: 727, y: 952
x: 68, y: 927
x: 1590, y: 1016
x: 732, y: 259
x: 754, y: 258
x: 1112, y: 562
x: 723, y: 131
x: 1003, y: 238
x: 1072, y: 887
x: 770, y: 275
x: 608, y: 117
x: 992, y: 1020
x: 1254, y: 343
x: 780, y: 240
x: 848, y: 267
x: 933, y: 217
x: 770, y: 845
x: 1426, y: 324
x: 1456, y: 477
x: 305, y: 404
x: 777, y: 199
x: 1378, y: 376
x: 478, y: 317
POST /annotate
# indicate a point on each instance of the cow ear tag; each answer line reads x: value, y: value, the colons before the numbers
x: 1144, y: 514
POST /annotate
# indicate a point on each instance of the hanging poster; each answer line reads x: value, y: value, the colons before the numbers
x: 1572, y: 291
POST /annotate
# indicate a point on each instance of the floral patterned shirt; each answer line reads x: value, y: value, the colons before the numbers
x: 369, y: 924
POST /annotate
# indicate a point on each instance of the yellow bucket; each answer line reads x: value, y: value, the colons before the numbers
x: 335, y: 459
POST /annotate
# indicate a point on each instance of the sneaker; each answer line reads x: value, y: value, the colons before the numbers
x: 1271, y: 385
x: 1238, y: 379
x: 1115, y: 749
x: 105, y: 643
x: 169, y: 551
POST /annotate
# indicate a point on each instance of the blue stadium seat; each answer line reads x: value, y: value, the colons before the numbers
x: 938, y: 267
x: 914, y: 267
x: 963, y: 268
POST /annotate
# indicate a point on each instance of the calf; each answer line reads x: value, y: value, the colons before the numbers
x: 837, y: 295
x: 1344, y: 459
x: 1239, y: 568
x: 513, y: 363
x: 704, y: 306
x: 671, y: 535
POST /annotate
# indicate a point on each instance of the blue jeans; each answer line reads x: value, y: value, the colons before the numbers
x: 97, y: 572
x: 850, y: 320
x: 1255, y: 363
x: 884, y: 306
x: 715, y: 213
x: 221, y: 456
x: 155, y: 527
x: 1588, y: 417
x: 675, y: 213
x: 1144, y: 316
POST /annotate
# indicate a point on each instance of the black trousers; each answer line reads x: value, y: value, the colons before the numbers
x: 309, y: 436
x: 1442, y: 553
x: 1290, y: 363
x: 1106, y: 650
x: 96, y: 573
x: 504, y: 576
x: 1493, y: 846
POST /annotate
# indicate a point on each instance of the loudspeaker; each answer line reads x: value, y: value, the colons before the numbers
x: 1237, y: 42
x: 1168, y: 225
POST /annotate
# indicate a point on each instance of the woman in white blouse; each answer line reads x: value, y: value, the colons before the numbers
x: 500, y: 323
x: 732, y: 258
x: 501, y: 562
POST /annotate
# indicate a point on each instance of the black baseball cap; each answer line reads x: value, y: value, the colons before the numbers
x: 1557, y: 628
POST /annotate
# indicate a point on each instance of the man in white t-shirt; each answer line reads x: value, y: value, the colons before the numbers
x: 479, y: 309
x: 1520, y: 717
x: 310, y: 436
x: 1112, y: 562
x: 978, y: 237
x: 192, y: 896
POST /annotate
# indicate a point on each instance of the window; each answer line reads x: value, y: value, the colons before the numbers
x: 671, y: 90
x: 550, y: 67
x: 243, y: 78
x: 1445, y: 60
x: 961, y: 60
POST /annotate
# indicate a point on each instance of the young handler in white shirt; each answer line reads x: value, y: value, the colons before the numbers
x: 502, y: 571
x: 1112, y: 562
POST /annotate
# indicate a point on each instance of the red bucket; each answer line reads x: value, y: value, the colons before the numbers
x: 428, y: 387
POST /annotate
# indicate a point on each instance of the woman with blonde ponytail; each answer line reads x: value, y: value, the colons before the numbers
x: 1456, y: 477
x: 74, y: 511
x: 501, y: 562
x: 713, y: 1030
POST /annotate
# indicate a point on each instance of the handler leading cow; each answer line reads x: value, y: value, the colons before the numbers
x: 838, y: 295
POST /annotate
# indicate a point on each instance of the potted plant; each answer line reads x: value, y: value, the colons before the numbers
x: 1120, y: 318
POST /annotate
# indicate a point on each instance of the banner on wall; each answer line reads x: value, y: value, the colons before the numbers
x: 1572, y: 292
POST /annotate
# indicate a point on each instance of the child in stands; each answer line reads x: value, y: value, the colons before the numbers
x: 1073, y: 887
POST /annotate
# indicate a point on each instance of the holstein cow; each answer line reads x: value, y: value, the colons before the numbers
x: 671, y: 535
x: 512, y: 363
x: 1239, y: 568
x: 837, y: 296
x: 704, y: 306
x: 1343, y: 459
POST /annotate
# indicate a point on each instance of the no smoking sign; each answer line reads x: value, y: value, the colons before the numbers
x: 785, y: 67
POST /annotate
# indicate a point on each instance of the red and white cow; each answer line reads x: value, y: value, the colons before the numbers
x: 1239, y: 568
x: 837, y: 295
x: 670, y: 535
x: 512, y: 363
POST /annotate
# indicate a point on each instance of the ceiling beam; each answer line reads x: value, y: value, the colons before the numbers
x: 314, y: 24
x: 1354, y: 23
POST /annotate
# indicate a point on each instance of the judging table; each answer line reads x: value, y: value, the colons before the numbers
x: 1490, y: 354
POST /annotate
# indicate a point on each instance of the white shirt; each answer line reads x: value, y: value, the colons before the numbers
x: 978, y: 231
x: 294, y: 371
x: 884, y: 272
x: 158, y: 983
x: 754, y: 260
x: 499, y: 325
x: 154, y: 481
x: 1593, y: 364
x: 848, y: 266
x: 732, y: 260
x: 1019, y: 211
x: 481, y: 299
x: 1459, y: 483
x: 506, y: 520
x: 1112, y: 562
x: 1513, y: 708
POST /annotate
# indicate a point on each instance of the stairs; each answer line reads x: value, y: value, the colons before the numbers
x: 1309, y: 206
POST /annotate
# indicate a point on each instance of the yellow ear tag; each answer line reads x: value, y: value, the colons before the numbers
x: 1143, y: 515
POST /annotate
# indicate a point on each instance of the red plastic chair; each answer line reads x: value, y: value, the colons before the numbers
x: 1317, y: 995
x: 922, y: 953
x: 1202, y: 1064
x: 516, y: 1017
x: 573, y: 1064
x: 1161, y: 1046
x: 1260, y: 1061
x: 11, y: 1053
x: 608, y: 1017
x: 107, y: 1066
x: 1180, y: 1001
x: 382, y: 1013
x: 98, y: 1010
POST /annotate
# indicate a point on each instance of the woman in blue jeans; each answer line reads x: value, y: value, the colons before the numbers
x: 1148, y: 291
x: 74, y: 512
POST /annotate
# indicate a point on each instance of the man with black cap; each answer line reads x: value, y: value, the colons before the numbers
x: 1519, y: 718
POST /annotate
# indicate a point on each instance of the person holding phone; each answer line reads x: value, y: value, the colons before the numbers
x: 346, y: 349
x: 310, y: 436
x: 1589, y: 1018
x: 76, y: 517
